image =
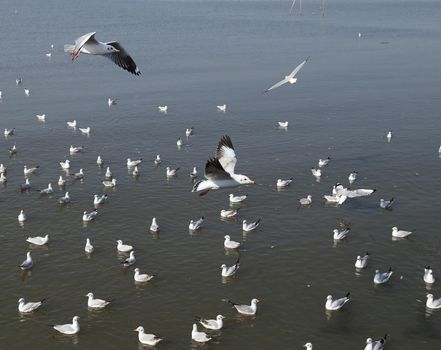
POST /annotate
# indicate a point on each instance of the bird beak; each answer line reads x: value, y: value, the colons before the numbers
x: 253, y: 182
x: 117, y: 50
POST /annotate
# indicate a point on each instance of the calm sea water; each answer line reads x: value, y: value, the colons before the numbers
x: 195, y: 55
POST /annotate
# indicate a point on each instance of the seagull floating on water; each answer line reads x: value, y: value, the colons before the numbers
x: 362, y: 261
x: 389, y: 135
x: 196, y: 224
x: 236, y: 199
x: 28, y: 171
x: 76, y: 149
x: 89, y: 45
x: 72, y: 124
x: 69, y: 328
x: 131, y: 260
x: 308, y: 346
x: 147, y: 339
x: 27, y: 263
x: 27, y: 92
x: 171, y: 172
x: 13, y: 150
x: 386, y: 204
x: 141, y: 278
x: 179, y: 143
x: 291, y: 78
x: 306, y: 201
x: 47, y: 190
x: 41, y: 117
x: 382, y: 277
x: 250, y: 226
x: 335, y: 198
x: 432, y: 303
x: 108, y: 174
x: 135, y: 171
x: 222, y: 108
x: 219, y: 171
x: 97, y: 199
x: 189, y: 132
x: 132, y: 163
x: 26, y: 185
x: 65, y: 165
x: 38, y: 240
x: 2, y: 169
x: 283, y: 125
x: 284, y: 183
x: 26, y: 307
x: 229, y: 244
x: 248, y: 310
x: 111, y: 101
x: 99, y: 161
x: 342, y: 191
x: 316, y: 172
x: 89, y: 248
x: 375, y: 344
x: 65, y: 199
x: 22, y: 216
x: 228, y: 271
x: 323, y: 162
x: 154, y: 227
x: 163, y: 109
x: 337, y: 304
x: 123, y: 248
x: 215, y: 325
x: 96, y: 304
x: 109, y: 184
x: 340, y: 235
x: 226, y: 214
x: 200, y: 337
x: 400, y: 233
x: 9, y: 132
x: 157, y: 160
x: 428, y: 275
x: 87, y: 217
x: 352, y: 176
x: 85, y: 130
x: 79, y: 175
x: 194, y: 173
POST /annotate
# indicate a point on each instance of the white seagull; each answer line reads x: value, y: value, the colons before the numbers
x: 382, y: 277
x: 99, y: 161
x: 65, y: 199
x: 339, y: 235
x: 362, y: 261
x: 316, y: 172
x: 306, y: 201
x: 27, y: 92
x: 22, y: 216
x: 147, y: 339
x: 222, y: 108
x: 38, y: 240
x: 76, y: 149
x: 97, y: 199
x: 9, y: 132
x: 109, y: 184
x: 250, y: 226
x: 248, y: 310
x: 28, y: 171
x: 283, y: 125
x: 41, y: 117
x: 108, y: 174
x: 308, y: 346
x: 69, y: 328
x: 227, y: 214
x: 87, y: 217
x: 375, y: 344
x: 219, y: 171
x: 157, y: 160
x: 284, y: 183
x: 131, y: 260
x: 342, y: 191
x: 163, y: 109
x: 291, y: 78
x: 189, y: 132
x: 196, y: 224
x: 27, y: 263
x: 154, y: 227
x: 141, y: 277
x: 228, y: 271
x: 3, y: 178
x: 200, y: 337
x: 389, y: 135
x: 2, y: 169
x: 335, y: 198
x: 215, y: 325
x: 111, y: 101
x: 96, y: 304
x: 132, y: 163
x: 26, y: 307
x: 179, y: 143
x: 237, y: 199
x: 123, y: 248
x: 352, y: 176
x: 65, y: 165
x: 79, y: 175
x: 171, y: 172
x: 337, y: 304
x: 194, y: 173
x: 400, y: 233
x: 433, y: 303
x: 89, y: 45
x: 428, y: 275
x: 47, y: 190
x: 85, y: 130
x: 13, y: 150
x: 386, y: 204
x: 26, y: 185
x: 72, y: 124
x: 89, y: 248
x: 229, y: 244
x: 323, y: 162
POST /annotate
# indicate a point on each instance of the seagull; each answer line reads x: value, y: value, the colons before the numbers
x: 196, y: 224
x: 28, y: 171
x: 386, y: 204
x: 13, y: 150
x: 215, y: 325
x: 2, y: 169
x: 362, y: 261
x: 340, y: 191
x: 283, y: 124
x: 306, y: 201
x: 99, y: 161
x: 47, y: 190
x: 228, y: 271
x: 49, y: 54
x: 227, y: 214
x: 96, y: 304
x: 283, y: 183
x: 375, y: 344
x: 433, y: 303
x: 308, y: 346
x: 352, y: 176
x: 249, y: 310
x: 65, y: 165
x: 194, y: 173
x: 41, y: 117
x: 200, y: 337
x: 400, y: 233
x: 179, y: 143
x: 72, y: 124
x: 85, y: 130
x: 154, y: 227
x: 171, y: 172
x: 79, y: 175
x: 108, y: 174
x: 337, y: 304
x: 109, y: 183
x: 133, y: 163
x: 342, y: 234
x: 135, y: 171
x: 3, y: 178
x: 9, y: 132
x: 25, y: 307
x: 27, y: 92
x: 316, y: 172
x: 65, y: 199
x: 38, y: 240
x: 335, y: 198
x: 382, y: 277
x: 87, y: 217
x: 25, y: 186
x: 141, y: 278
x: 69, y: 328
x: 147, y: 339
x: 22, y: 216
x: 89, y: 45
x: 323, y: 162
x: 157, y: 160
x: 111, y: 101
x: 18, y: 81
x: 123, y: 248
x: 219, y: 171
x: 250, y: 226
x: 389, y: 135
x: 237, y: 199
x: 97, y: 199
x: 229, y: 244
x: 163, y: 109
x: 428, y: 275
x: 130, y: 260
x: 89, y: 248
x: 27, y: 263
x: 291, y: 78
x: 189, y: 132
x: 76, y: 149
x: 222, y: 108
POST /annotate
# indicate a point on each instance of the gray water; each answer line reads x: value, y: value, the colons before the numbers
x: 195, y: 55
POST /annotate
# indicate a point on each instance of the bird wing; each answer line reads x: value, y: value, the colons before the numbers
x: 226, y: 155
x: 215, y: 171
x: 80, y: 42
x: 296, y: 69
x: 122, y: 58
x: 276, y: 85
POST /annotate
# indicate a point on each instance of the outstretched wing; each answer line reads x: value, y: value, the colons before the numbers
x: 226, y: 155
x: 122, y: 58
x: 215, y: 171
x: 276, y: 85
x: 80, y: 42
x: 296, y: 69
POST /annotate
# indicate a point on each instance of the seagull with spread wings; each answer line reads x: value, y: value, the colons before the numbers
x: 89, y: 45
x: 291, y: 78
x: 219, y: 171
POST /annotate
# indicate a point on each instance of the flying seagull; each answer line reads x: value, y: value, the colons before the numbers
x: 219, y: 171
x: 291, y: 78
x: 89, y: 45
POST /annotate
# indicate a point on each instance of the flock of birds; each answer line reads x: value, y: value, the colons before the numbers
x: 219, y: 173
